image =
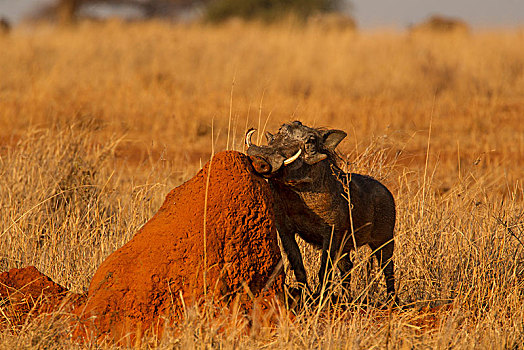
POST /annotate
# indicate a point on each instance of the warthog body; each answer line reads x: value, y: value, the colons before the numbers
x: 311, y: 199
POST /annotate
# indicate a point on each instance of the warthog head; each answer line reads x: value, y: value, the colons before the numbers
x: 292, y: 153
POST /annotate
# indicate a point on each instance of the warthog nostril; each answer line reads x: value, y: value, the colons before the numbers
x: 260, y: 165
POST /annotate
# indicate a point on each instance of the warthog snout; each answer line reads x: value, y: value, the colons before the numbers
x: 267, y: 160
x: 260, y: 165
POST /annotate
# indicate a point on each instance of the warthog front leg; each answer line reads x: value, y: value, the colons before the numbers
x: 345, y: 265
x: 330, y: 253
x: 293, y: 255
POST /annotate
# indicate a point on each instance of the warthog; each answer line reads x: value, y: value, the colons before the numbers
x: 312, y: 199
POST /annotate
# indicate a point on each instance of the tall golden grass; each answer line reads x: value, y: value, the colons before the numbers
x: 99, y: 121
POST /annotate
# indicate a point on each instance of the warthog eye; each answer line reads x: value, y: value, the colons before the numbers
x: 310, y: 145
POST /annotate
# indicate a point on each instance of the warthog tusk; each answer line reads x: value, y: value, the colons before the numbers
x: 250, y: 132
x: 292, y: 159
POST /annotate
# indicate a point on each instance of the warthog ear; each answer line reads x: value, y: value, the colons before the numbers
x: 332, y: 138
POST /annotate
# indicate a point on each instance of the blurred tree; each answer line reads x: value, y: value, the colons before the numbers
x: 219, y: 10
x: 67, y: 10
x: 216, y: 10
x: 5, y: 26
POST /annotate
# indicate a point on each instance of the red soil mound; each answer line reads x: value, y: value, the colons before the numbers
x: 27, y: 290
x: 187, y: 251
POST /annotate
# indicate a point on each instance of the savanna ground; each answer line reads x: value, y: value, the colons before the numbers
x: 99, y: 121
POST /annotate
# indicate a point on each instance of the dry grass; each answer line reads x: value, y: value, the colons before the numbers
x: 99, y: 121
